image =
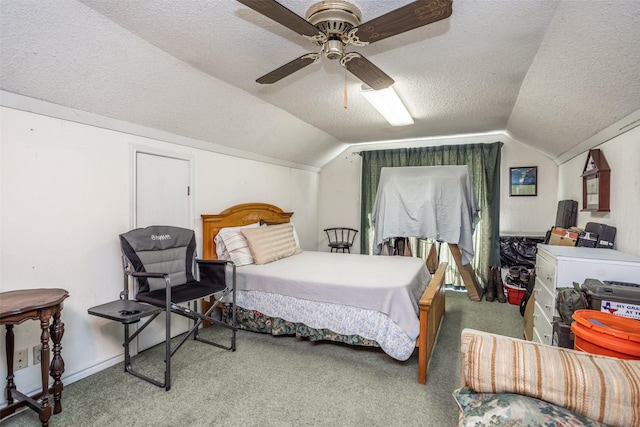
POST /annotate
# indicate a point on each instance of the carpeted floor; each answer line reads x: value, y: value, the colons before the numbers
x: 284, y: 381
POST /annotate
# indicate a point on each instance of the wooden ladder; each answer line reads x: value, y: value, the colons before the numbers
x: 468, y: 275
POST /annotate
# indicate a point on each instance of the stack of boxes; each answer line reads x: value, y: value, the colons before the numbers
x: 565, y: 232
x: 594, y: 235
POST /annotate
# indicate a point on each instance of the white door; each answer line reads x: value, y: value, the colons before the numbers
x: 162, y: 191
x: 162, y: 197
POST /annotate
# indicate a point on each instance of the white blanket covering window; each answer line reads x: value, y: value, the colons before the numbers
x: 435, y: 202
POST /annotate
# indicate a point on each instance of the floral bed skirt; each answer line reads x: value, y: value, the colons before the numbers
x: 254, y: 321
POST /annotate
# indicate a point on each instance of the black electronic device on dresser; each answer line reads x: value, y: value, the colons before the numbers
x: 597, y: 235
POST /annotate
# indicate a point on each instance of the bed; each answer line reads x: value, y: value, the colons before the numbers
x: 317, y: 295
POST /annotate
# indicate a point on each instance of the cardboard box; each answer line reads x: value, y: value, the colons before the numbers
x: 563, y: 237
x: 528, y: 317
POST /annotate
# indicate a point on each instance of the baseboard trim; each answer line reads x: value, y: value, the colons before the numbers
x: 73, y: 377
x: 93, y: 369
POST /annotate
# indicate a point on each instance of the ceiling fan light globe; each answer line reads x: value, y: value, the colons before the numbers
x: 333, y: 49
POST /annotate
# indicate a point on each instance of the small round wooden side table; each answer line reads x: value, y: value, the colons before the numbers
x: 42, y: 305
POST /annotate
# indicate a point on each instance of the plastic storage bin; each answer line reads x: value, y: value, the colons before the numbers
x: 620, y: 299
x: 514, y: 294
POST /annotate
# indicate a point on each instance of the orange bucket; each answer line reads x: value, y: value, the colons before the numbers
x: 602, y: 333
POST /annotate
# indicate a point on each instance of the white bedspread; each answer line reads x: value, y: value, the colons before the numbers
x: 390, y: 285
x: 434, y: 202
x: 341, y: 319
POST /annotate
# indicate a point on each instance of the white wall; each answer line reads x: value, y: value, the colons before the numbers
x: 65, y: 197
x: 623, y: 155
x: 527, y: 215
x: 339, y: 196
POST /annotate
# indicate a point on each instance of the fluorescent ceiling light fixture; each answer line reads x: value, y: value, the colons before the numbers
x: 387, y: 102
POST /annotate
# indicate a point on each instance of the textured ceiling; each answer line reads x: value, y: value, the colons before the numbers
x: 551, y: 73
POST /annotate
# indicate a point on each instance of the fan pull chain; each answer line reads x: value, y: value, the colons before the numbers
x: 345, y: 100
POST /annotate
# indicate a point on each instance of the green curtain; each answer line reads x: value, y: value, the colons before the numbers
x: 484, y: 166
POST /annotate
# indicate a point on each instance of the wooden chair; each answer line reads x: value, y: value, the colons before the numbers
x: 341, y: 238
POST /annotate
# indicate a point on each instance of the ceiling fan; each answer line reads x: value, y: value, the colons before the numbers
x: 334, y: 25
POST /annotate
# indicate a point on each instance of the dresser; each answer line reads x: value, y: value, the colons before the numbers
x: 560, y: 266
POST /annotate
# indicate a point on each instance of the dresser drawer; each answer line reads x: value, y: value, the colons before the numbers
x: 543, y: 328
x: 546, y: 298
x: 546, y: 272
x: 537, y: 338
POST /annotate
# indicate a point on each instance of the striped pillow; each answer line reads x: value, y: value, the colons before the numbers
x: 605, y: 389
x: 271, y: 243
x: 234, y: 247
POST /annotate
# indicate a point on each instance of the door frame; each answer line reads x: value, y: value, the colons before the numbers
x: 133, y: 185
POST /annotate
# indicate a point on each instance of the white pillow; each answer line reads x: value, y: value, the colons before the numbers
x: 221, y: 249
x: 232, y: 246
x: 295, y: 236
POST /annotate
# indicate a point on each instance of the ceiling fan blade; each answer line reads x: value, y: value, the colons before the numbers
x: 364, y: 69
x: 289, y: 68
x: 403, y: 19
x: 274, y: 10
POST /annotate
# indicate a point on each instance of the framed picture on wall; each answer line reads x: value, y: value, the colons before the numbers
x: 524, y: 181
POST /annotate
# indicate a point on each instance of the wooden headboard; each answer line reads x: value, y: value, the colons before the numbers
x: 244, y: 214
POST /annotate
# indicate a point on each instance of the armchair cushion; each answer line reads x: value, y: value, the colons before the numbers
x: 601, y: 388
x: 507, y: 409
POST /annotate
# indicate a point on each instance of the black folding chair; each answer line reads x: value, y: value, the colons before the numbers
x: 161, y: 260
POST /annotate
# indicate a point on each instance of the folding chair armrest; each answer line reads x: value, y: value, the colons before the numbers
x: 124, y: 295
x: 214, y: 261
x: 150, y: 275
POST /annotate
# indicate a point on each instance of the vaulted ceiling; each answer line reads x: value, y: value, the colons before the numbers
x: 550, y: 73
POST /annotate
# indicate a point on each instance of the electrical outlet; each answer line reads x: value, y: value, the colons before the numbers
x: 36, y: 353
x: 20, y: 359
